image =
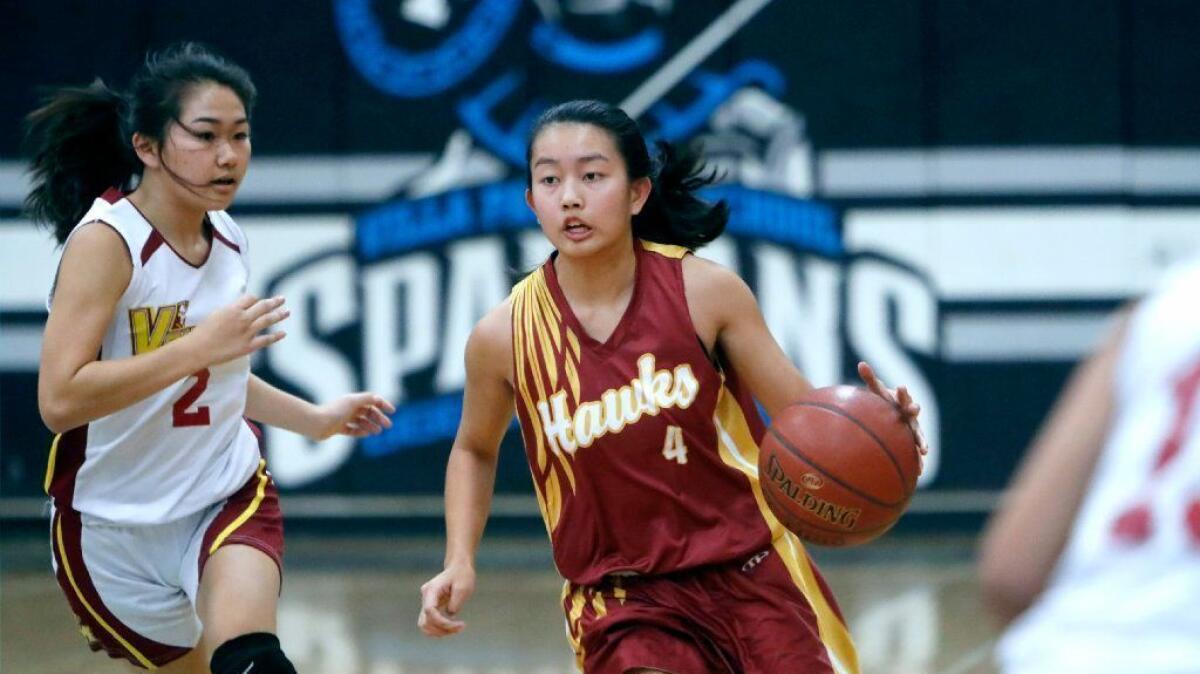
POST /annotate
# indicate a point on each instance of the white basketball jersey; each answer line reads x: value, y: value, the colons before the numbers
x: 187, y: 446
x: 1124, y: 596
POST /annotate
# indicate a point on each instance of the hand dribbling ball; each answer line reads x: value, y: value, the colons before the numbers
x: 839, y: 466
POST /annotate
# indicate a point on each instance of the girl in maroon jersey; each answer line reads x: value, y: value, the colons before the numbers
x: 633, y: 367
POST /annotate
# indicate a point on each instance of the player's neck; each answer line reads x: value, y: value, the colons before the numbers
x: 606, y: 275
x: 180, y: 223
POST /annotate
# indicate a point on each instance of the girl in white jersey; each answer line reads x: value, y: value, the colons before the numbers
x: 1095, y: 557
x: 166, y: 533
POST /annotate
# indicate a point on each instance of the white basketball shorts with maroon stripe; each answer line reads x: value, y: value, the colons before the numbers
x: 133, y: 588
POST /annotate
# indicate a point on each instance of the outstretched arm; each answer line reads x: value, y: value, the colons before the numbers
x: 471, y: 470
x: 725, y: 310
x: 1025, y: 538
x: 356, y: 414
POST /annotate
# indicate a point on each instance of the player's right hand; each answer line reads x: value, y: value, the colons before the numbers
x: 442, y: 598
x: 236, y: 330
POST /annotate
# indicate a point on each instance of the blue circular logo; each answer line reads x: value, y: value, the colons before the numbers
x: 421, y: 74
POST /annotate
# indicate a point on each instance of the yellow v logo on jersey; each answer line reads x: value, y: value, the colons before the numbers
x: 653, y: 390
x: 151, y: 327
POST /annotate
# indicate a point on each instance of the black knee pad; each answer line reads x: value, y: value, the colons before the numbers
x: 255, y: 653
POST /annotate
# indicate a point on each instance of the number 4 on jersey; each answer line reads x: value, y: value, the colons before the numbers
x: 673, y: 447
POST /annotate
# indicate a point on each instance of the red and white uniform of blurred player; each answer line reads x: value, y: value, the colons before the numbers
x: 1123, y: 597
x: 144, y: 495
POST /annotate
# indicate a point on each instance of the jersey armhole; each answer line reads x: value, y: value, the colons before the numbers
x: 713, y: 355
x: 124, y: 244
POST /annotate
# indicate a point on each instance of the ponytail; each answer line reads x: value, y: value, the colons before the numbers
x: 673, y: 214
x: 78, y: 149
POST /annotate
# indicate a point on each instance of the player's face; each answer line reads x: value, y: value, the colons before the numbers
x: 208, y: 146
x: 581, y: 193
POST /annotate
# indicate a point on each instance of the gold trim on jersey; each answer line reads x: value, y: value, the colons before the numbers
x: 574, y: 619
x: 62, y: 558
x: 259, y: 493
x: 739, y: 450
x: 540, y: 336
x: 598, y: 605
x: 50, y: 463
x: 665, y: 249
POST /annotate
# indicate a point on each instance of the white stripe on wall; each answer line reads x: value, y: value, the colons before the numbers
x: 1021, y: 337
x: 288, y: 180
x: 997, y: 171
x: 20, y: 347
x: 843, y: 173
x: 1034, y: 253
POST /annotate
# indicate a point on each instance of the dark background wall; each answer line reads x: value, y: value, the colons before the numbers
x: 851, y: 87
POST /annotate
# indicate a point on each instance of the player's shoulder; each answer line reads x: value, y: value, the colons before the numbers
x: 119, y: 215
x: 97, y: 240
x: 1181, y: 280
x: 489, y: 347
x: 492, y: 334
x: 1171, y: 300
x: 706, y: 276
x: 96, y: 263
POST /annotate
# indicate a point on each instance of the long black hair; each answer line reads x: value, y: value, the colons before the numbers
x: 80, y: 140
x: 673, y: 214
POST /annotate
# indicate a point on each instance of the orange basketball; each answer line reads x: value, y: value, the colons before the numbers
x: 839, y: 466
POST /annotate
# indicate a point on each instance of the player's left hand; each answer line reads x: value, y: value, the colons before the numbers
x: 356, y: 414
x: 903, y: 401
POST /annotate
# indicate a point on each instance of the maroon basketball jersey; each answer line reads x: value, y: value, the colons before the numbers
x: 643, y: 452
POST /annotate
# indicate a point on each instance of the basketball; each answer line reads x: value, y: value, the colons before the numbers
x: 839, y: 466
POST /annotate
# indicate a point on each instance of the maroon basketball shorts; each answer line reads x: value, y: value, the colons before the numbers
x: 752, y: 616
x: 133, y: 588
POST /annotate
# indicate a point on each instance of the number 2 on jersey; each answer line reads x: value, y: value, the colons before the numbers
x: 673, y: 447
x: 181, y: 415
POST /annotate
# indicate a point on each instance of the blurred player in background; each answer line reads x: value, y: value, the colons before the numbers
x: 1094, y: 558
x: 166, y: 533
x: 631, y: 364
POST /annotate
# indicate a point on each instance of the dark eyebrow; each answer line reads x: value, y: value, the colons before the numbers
x: 540, y: 161
x: 214, y: 120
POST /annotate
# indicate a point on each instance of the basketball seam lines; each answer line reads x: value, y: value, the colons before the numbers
x: 800, y: 455
x: 836, y: 410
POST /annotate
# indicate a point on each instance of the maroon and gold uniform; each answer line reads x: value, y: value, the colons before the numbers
x: 644, y: 454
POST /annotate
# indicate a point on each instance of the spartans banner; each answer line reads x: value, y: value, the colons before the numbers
x: 958, y: 194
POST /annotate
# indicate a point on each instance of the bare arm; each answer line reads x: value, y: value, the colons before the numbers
x: 269, y: 405
x: 1025, y: 538
x: 471, y: 470
x: 725, y: 313
x: 74, y: 387
x: 357, y: 414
